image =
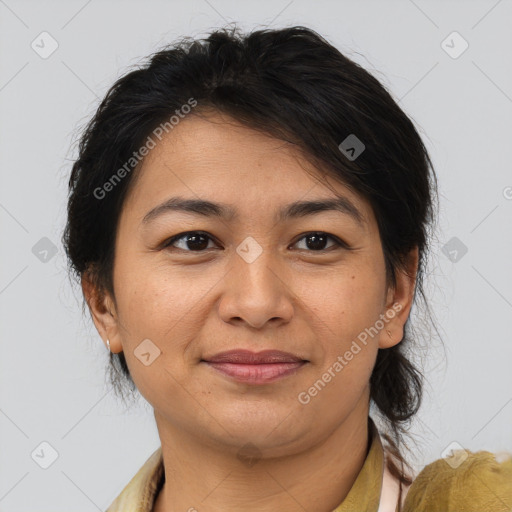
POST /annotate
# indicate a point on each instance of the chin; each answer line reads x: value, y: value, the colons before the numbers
x: 267, y: 433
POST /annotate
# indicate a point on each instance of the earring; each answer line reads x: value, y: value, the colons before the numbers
x: 389, y: 333
x: 108, y: 344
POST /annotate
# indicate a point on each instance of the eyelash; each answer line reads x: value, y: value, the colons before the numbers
x: 338, y: 242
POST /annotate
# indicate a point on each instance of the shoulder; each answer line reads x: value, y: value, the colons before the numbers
x: 463, y: 482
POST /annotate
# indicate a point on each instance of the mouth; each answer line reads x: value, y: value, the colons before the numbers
x: 255, y: 367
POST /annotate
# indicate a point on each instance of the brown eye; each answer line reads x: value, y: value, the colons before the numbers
x: 317, y: 241
x: 197, y: 241
x: 191, y: 241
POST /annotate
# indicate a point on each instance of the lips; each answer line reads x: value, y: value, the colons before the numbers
x: 255, y: 368
x: 247, y: 357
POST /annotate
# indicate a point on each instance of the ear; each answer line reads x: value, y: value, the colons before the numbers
x: 103, y: 311
x: 399, y: 303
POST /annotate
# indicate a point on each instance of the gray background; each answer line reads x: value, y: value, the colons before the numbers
x: 52, y: 367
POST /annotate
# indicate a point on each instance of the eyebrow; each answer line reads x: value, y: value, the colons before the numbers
x: 293, y: 210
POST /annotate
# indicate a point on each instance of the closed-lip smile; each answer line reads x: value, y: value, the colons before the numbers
x: 255, y: 367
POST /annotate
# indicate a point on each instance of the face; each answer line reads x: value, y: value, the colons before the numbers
x: 189, y: 286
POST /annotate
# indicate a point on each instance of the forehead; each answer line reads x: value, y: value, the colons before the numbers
x: 219, y: 159
x: 216, y: 142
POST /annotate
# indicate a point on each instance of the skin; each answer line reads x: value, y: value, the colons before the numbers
x: 293, y: 297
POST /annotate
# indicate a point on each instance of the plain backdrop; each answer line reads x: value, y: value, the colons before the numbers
x: 52, y: 365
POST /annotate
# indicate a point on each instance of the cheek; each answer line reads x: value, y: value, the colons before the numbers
x: 345, y: 307
x: 156, y: 306
x: 160, y: 304
x: 345, y: 310
x: 347, y: 303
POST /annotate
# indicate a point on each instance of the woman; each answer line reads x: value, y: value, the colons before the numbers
x: 249, y: 218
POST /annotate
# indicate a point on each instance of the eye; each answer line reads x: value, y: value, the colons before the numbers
x: 193, y: 241
x: 317, y: 241
x: 197, y: 241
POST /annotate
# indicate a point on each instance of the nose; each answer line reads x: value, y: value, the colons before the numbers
x: 256, y: 292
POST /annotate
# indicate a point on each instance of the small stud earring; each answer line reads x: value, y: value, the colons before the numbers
x: 389, y: 333
x: 108, y: 344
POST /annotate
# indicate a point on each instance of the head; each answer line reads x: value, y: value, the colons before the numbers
x: 254, y: 123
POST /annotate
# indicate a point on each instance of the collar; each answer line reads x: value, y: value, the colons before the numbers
x: 366, y: 490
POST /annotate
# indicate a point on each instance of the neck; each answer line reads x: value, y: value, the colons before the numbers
x: 206, y: 477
